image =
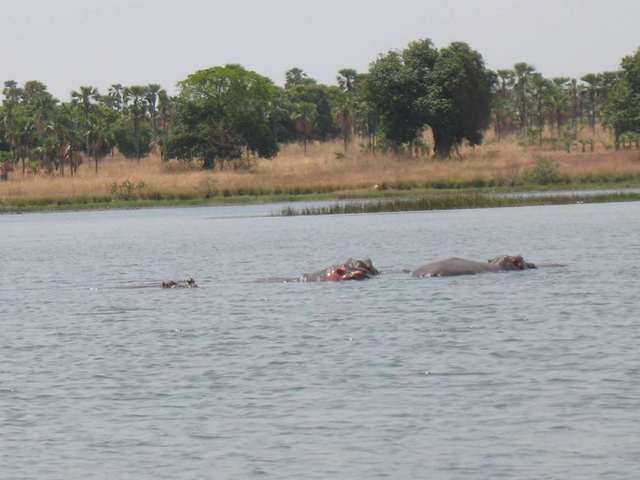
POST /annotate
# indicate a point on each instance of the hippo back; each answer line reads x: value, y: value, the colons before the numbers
x: 451, y: 267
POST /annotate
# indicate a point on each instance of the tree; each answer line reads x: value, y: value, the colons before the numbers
x: 447, y: 90
x: 463, y: 110
x: 86, y: 98
x: 115, y: 97
x: 221, y: 112
x: 346, y: 79
x: 320, y: 96
x: 152, y: 97
x: 558, y: 100
x: 540, y: 91
x: 137, y: 111
x: 296, y: 77
x: 622, y: 112
x: 67, y: 129
x: 393, y: 91
x: 503, y: 105
x: 99, y: 133
x: 12, y: 98
x: 523, y: 72
x: 365, y: 116
x: 592, y: 85
x: 305, y: 116
x: 344, y: 103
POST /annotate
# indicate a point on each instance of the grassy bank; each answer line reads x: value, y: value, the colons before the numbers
x: 324, y: 173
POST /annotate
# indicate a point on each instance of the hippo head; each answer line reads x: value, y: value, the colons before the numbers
x: 508, y: 262
x: 191, y: 283
x: 352, y: 270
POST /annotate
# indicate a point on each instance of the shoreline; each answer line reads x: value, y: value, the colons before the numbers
x: 355, y: 201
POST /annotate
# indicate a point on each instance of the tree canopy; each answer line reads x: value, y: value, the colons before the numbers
x: 220, y: 113
x: 229, y: 113
x: 448, y: 90
x: 622, y: 111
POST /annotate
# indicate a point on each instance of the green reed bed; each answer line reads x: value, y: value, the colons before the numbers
x: 450, y: 202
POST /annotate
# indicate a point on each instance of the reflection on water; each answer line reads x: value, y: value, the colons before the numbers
x: 522, y: 375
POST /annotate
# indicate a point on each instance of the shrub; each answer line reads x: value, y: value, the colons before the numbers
x: 544, y: 172
x: 127, y: 190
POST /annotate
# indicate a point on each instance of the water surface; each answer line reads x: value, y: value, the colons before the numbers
x: 530, y: 374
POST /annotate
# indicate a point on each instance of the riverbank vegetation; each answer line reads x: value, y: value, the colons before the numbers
x: 420, y: 119
x: 453, y: 201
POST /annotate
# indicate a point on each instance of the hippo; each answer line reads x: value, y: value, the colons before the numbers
x: 349, y: 270
x: 188, y: 283
x: 461, y: 266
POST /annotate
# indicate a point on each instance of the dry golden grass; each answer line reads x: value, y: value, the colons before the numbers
x: 320, y: 170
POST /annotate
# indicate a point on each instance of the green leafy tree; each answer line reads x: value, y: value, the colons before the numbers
x: 447, y: 90
x: 622, y: 111
x: 365, y: 115
x: 221, y: 113
x: 325, y: 127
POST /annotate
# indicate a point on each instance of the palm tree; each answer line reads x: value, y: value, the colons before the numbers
x: 305, y: 115
x: 592, y: 82
x: 152, y: 97
x: 559, y: 101
x: 116, y: 93
x: 99, y: 134
x: 12, y: 98
x: 86, y: 98
x: 345, y: 103
x: 138, y: 110
x: 503, y: 102
x: 540, y: 87
x: 346, y: 79
x: 523, y: 72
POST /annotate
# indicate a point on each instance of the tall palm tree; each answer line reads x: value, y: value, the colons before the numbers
x: 305, y: 115
x: 592, y: 82
x: 152, y: 97
x: 523, y: 71
x: 86, y: 98
x: 503, y: 102
x: 137, y: 110
x: 115, y: 92
x: 13, y: 96
x: 100, y: 134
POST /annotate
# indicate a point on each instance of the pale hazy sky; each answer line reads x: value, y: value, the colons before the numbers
x: 67, y: 43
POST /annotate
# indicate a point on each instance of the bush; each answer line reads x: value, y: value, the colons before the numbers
x: 544, y: 172
x: 127, y: 190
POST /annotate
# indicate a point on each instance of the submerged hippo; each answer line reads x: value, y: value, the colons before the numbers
x: 188, y: 283
x: 349, y: 270
x: 461, y: 266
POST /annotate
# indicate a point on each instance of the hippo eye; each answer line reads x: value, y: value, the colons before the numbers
x: 341, y: 271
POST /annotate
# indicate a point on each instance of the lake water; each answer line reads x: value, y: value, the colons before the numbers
x: 526, y: 375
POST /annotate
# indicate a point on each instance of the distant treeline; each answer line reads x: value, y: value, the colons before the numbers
x: 229, y: 113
